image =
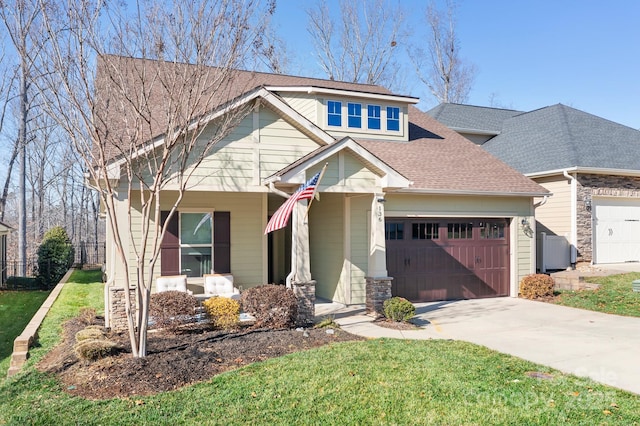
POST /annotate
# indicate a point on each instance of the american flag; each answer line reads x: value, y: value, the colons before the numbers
x: 281, y: 217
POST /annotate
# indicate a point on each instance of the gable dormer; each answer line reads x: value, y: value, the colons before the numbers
x: 360, y: 115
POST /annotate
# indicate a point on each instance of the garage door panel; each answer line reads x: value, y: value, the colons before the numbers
x: 470, y: 265
x: 616, y: 230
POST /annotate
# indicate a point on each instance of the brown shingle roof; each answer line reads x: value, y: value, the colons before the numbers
x: 437, y: 158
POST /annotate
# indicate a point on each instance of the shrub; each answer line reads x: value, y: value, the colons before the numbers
x: 90, y: 334
x: 398, y: 309
x: 536, y: 285
x: 223, y: 311
x: 55, y: 256
x: 273, y: 306
x: 328, y: 322
x: 94, y: 349
x: 25, y: 283
x: 171, y: 309
x: 87, y: 316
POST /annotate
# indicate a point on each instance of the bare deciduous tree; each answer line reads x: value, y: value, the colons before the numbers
x: 362, y: 46
x: 440, y: 67
x: 142, y: 126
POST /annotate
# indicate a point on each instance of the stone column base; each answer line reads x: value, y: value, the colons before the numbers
x: 378, y: 290
x: 306, y: 295
x: 117, y: 312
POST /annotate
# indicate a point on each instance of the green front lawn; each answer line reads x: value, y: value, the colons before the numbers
x: 615, y: 296
x: 370, y: 382
x: 16, y: 310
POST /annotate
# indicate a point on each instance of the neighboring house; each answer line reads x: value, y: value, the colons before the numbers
x: 4, y: 231
x: 403, y: 197
x: 590, y: 164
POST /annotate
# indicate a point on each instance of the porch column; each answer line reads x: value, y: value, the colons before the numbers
x: 378, y: 284
x: 300, y: 278
x: 377, y: 246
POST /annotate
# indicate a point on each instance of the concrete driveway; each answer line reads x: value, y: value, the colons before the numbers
x: 603, y: 347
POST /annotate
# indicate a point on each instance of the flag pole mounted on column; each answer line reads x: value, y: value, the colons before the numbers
x: 315, y: 191
x: 306, y: 191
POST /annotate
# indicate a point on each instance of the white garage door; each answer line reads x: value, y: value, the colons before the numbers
x: 616, y: 230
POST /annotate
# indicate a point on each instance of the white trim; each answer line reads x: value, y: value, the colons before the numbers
x: 466, y: 192
x: 513, y: 264
x: 319, y: 135
x: 339, y: 92
x: 347, y: 250
x: 574, y: 215
x: 589, y: 170
x: 265, y: 239
x: 390, y: 177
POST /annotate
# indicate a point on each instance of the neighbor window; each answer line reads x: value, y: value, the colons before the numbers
x: 393, y: 118
x: 354, y: 112
x: 196, y: 243
x: 394, y: 230
x: 334, y: 113
x: 373, y: 114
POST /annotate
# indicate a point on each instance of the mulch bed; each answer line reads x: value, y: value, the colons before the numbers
x: 194, y: 354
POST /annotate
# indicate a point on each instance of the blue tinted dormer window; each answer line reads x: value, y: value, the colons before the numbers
x: 334, y: 113
x: 354, y: 113
x: 393, y: 119
x: 373, y: 117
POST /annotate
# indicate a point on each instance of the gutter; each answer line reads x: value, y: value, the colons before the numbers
x: 574, y: 216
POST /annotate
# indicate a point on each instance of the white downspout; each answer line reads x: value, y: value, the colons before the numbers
x: 574, y: 216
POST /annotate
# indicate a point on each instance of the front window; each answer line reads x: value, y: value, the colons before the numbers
x: 196, y: 241
x: 393, y: 119
x: 334, y: 113
x: 373, y: 114
x: 354, y: 115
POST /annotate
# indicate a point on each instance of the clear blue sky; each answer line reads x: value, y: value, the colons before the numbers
x: 529, y: 54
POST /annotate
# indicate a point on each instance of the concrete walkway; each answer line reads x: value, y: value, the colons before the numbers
x: 602, y: 347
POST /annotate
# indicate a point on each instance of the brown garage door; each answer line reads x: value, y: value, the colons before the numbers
x: 445, y: 259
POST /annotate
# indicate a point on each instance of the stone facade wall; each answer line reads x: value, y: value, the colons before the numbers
x: 117, y: 312
x: 378, y: 290
x: 594, y: 186
x: 306, y: 295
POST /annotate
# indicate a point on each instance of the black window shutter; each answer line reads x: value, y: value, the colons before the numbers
x: 170, y: 246
x: 221, y: 242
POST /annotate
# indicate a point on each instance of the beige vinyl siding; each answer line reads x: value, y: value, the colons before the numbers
x: 247, y: 225
x: 345, y: 174
x: 554, y: 217
x: 326, y: 227
x: 399, y: 205
x: 359, y: 217
x: 231, y: 165
x: 280, y: 143
x: 524, y: 249
x: 304, y: 104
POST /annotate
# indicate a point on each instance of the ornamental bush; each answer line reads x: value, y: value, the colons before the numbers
x: 55, y: 256
x: 398, y: 309
x: 273, y: 306
x: 171, y: 309
x: 223, y: 311
x: 536, y: 285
